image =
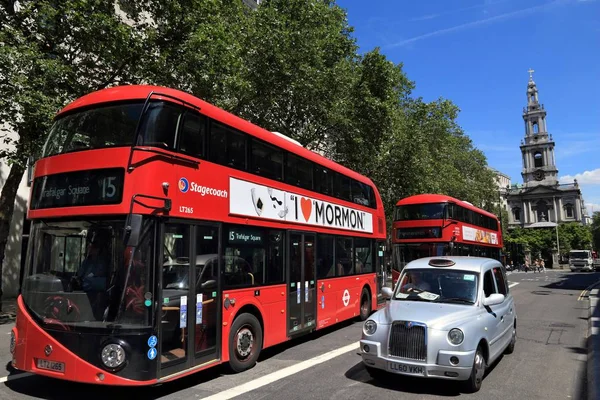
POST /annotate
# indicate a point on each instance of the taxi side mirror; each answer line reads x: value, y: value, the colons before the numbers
x: 492, y: 300
x: 387, y: 293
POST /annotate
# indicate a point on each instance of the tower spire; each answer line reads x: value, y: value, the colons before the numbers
x: 539, y: 165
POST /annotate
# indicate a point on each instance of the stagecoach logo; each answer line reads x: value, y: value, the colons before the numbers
x: 48, y: 350
x: 187, y: 186
x: 409, y: 324
x: 184, y: 185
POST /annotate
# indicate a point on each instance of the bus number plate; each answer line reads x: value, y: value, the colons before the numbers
x: 51, y: 365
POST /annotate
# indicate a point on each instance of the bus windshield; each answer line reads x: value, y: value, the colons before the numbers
x: 420, y: 211
x: 405, y: 253
x: 80, y: 274
x: 114, y: 125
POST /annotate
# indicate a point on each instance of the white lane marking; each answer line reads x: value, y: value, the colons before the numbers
x: 513, y: 284
x: 15, y: 377
x: 283, y: 373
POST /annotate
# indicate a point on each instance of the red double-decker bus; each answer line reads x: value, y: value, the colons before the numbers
x: 427, y: 225
x: 169, y: 236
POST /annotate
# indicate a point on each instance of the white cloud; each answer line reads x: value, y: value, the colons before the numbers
x: 485, y: 21
x: 585, y: 178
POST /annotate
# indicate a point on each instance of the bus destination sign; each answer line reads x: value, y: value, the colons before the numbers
x: 81, y: 188
x: 418, y: 233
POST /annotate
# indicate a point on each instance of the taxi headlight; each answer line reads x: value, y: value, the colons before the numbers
x: 456, y: 336
x: 113, y: 355
x: 370, y: 327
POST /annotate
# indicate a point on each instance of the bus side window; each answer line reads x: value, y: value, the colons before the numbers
x: 343, y: 257
x: 325, y: 265
x: 161, y: 124
x: 193, y: 134
x: 227, y: 147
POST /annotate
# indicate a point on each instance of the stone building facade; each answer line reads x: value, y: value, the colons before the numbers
x: 541, y: 199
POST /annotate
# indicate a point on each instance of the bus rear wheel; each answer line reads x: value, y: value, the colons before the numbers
x: 365, y: 305
x: 245, y: 342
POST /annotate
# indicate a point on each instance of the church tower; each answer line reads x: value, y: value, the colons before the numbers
x: 537, y: 149
x: 541, y: 201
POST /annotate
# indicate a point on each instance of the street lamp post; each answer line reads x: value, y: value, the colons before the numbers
x: 557, y: 244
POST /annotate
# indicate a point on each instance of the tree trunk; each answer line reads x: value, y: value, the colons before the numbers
x: 7, y: 206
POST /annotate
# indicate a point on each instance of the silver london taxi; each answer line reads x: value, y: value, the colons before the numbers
x: 448, y: 317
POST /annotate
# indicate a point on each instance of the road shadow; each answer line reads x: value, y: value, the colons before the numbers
x: 573, y: 281
x: 55, y: 389
x: 409, y: 384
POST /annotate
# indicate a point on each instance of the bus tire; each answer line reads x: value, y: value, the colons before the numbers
x: 245, y: 342
x: 365, y: 304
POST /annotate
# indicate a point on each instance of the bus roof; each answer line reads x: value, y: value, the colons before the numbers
x: 141, y: 92
x: 441, y: 198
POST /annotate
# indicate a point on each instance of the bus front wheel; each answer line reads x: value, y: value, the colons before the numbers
x: 245, y: 342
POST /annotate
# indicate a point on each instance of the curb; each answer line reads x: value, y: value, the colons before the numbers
x: 593, y: 345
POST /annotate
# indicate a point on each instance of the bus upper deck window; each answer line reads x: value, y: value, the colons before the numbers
x: 160, y: 124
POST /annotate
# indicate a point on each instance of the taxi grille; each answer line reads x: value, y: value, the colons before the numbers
x: 407, y: 340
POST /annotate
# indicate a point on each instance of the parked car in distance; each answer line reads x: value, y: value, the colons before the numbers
x: 448, y: 318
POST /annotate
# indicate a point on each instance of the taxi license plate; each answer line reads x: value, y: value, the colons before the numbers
x: 406, y: 369
x: 51, y: 365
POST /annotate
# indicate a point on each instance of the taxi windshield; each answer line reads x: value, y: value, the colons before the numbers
x: 439, y: 285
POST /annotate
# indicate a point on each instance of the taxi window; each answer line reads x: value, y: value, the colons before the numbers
x: 488, y: 284
x: 500, y: 281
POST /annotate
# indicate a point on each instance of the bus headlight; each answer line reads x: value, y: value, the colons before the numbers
x: 456, y: 336
x: 113, y: 355
x: 370, y: 327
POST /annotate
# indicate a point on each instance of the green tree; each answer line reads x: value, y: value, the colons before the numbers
x: 574, y: 236
x: 542, y: 240
x: 52, y: 52
x: 595, y: 228
x: 198, y: 46
x: 301, y: 62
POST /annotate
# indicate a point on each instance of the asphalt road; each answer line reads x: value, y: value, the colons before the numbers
x: 548, y: 363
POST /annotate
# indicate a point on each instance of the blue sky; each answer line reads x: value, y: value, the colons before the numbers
x: 477, y: 53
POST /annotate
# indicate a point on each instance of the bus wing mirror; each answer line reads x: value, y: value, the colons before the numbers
x: 132, y: 230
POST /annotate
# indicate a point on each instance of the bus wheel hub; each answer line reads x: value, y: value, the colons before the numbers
x: 244, y: 342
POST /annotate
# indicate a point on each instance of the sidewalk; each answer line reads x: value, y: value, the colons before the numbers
x: 593, y: 345
x: 9, y: 309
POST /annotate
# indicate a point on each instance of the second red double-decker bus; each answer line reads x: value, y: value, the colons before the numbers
x: 428, y: 225
x: 169, y: 236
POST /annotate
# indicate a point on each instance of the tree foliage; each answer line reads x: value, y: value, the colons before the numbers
x: 542, y: 240
x: 595, y: 228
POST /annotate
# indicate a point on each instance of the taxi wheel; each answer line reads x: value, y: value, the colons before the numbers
x: 245, y: 342
x: 511, y: 347
x: 473, y: 384
x: 365, y: 305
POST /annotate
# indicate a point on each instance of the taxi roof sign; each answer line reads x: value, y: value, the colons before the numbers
x: 441, y: 262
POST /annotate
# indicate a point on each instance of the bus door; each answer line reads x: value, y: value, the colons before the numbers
x: 301, y: 283
x: 189, y: 312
